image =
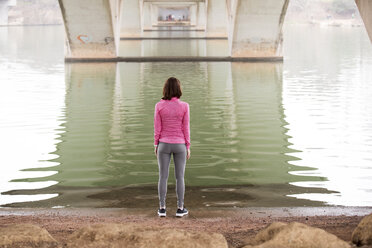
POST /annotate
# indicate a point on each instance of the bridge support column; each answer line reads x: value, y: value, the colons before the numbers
x: 365, y: 10
x: 193, y: 14
x: 146, y: 16
x: 216, y: 18
x: 201, y: 15
x: 255, y: 27
x: 131, y: 18
x: 154, y: 14
x: 92, y: 28
x: 4, y: 12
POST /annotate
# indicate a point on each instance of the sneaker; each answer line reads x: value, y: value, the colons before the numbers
x: 181, y: 212
x: 162, y: 212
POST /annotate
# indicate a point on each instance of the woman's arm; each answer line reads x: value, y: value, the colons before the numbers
x: 157, y: 125
x: 186, y: 126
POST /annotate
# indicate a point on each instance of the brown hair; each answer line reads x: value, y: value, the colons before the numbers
x: 172, y: 87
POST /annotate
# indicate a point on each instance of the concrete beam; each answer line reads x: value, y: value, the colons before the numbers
x: 216, y: 18
x: 131, y: 25
x: 180, y: 59
x: 255, y: 27
x: 92, y: 28
x: 177, y: 1
x: 365, y: 10
x: 173, y: 5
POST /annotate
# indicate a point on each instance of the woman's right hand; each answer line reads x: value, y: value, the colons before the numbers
x: 188, y: 153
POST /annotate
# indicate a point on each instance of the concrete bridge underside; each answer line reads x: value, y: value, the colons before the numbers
x: 92, y: 28
x: 253, y: 27
x: 365, y: 10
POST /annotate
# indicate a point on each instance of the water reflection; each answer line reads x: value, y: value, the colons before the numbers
x: 27, y: 125
x: 239, y: 141
x: 40, y: 48
x: 328, y: 112
x: 82, y: 135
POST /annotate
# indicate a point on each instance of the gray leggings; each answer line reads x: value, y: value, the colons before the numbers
x: 164, y: 157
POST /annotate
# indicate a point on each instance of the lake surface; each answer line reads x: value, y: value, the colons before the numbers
x: 297, y: 133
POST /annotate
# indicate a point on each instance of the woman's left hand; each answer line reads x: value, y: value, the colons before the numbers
x: 156, y: 151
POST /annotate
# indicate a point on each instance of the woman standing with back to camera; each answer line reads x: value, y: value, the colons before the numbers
x: 172, y: 136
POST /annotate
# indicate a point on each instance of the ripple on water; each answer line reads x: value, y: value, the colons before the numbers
x: 247, y: 119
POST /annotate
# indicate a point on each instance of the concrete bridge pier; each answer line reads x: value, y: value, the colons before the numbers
x: 92, y: 28
x: 365, y: 10
x: 201, y: 16
x: 146, y: 15
x: 216, y: 18
x: 131, y: 25
x: 255, y: 27
x: 3, y: 12
x: 154, y: 14
x: 4, y: 8
x: 193, y: 10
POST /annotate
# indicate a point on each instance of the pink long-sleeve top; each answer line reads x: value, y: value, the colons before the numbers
x: 172, y: 122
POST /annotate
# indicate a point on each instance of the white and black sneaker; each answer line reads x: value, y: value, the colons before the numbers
x: 181, y: 212
x: 162, y: 212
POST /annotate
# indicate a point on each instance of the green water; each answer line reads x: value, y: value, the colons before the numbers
x: 81, y: 135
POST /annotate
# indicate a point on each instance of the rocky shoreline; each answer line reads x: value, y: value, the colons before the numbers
x: 235, y: 228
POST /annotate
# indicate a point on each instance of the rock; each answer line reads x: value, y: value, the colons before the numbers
x: 132, y: 235
x: 26, y: 236
x: 297, y: 235
x: 362, y: 234
x: 269, y: 232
